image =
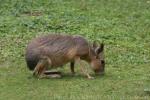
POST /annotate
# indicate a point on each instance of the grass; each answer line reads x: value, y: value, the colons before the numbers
x: 123, y: 25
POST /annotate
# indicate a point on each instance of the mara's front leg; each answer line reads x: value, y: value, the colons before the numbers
x: 72, y: 67
x: 84, y: 69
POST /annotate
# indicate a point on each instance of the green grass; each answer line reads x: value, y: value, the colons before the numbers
x: 123, y: 25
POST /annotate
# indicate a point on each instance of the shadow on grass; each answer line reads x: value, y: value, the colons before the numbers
x: 69, y: 76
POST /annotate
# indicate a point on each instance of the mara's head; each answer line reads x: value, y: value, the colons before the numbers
x: 98, y: 61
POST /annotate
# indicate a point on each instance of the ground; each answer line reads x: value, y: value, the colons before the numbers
x: 123, y: 25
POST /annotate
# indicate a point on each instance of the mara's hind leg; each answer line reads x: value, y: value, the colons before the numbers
x: 41, y: 67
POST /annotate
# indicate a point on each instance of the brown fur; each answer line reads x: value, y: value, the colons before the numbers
x: 58, y: 50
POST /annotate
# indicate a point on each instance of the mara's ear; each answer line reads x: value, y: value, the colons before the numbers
x: 95, y: 44
x: 100, y: 48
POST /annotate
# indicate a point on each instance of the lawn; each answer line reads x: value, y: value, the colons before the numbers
x: 123, y: 25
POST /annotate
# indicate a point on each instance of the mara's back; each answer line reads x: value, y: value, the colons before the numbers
x: 59, y: 48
